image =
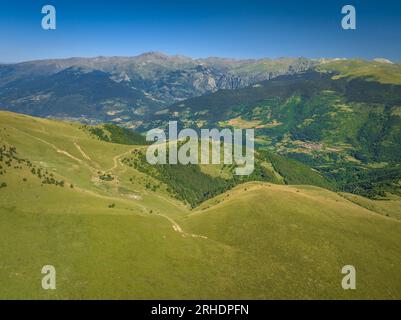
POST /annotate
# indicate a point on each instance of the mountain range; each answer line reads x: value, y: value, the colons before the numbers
x: 130, y: 86
x: 127, y: 90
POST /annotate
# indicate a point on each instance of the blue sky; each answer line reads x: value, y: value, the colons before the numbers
x: 235, y: 28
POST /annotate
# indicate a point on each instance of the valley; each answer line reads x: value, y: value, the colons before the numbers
x: 345, y: 128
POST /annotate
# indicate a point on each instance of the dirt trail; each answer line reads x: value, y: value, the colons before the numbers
x: 82, y: 151
x: 56, y: 148
x: 170, y: 201
x: 116, y: 162
x: 178, y: 228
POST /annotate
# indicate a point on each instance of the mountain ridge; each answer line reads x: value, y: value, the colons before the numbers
x: 157, y: 80
x: 160, y: 78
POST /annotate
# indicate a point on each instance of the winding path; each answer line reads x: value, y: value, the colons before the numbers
x: 178, y: 228
x: 116, y: 161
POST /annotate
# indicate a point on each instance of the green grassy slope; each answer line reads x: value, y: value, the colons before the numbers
x: 372, y: 70
x: 116, y: 238
x: 305, y: 233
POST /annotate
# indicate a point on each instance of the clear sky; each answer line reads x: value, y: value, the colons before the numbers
x: 225, y: 28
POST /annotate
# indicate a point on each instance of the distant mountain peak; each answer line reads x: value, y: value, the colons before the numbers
x: 383, y: 60
x: 154, y: 55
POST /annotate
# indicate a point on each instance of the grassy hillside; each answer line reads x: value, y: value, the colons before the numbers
x: 371, y: 70
x: 287, y: 232
x: 113, y: 231
x: 112, y: 133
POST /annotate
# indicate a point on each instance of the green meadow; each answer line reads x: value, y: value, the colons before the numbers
x: 113, y: 230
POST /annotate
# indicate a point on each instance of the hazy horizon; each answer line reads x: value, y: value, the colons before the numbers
x: 173, y: 55
x: 236, y: 29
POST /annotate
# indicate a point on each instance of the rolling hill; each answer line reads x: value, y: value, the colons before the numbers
x: 114, y: 229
